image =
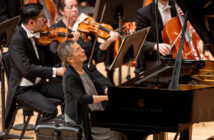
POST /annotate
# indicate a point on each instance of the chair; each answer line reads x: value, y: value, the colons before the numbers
x: 27, y: 112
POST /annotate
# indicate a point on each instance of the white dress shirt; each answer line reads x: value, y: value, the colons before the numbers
x: 164, y: 12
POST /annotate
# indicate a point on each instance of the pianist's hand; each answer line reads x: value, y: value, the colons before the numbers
x: 106, y: 91
x: 99, y: 98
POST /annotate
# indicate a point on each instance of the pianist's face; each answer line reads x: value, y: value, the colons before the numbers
x: 78, y: 54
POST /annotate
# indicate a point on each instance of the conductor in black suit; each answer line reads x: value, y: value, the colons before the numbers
x: 145, y: 17
x: 31, y: 66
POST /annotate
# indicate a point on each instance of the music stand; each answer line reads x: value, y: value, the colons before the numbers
x: 116, y: 12
x: 6, y: 30
x: 116, y: 9
x: 130, y: 48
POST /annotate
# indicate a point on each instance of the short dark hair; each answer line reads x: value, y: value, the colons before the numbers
x: 64, y: 50
x: 30, y: 11
x: 61, y: 4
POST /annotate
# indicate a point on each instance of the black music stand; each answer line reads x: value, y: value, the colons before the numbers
x: 116, y: 12
x: 117, y: 9
x: 6, y: 30
x: 130, y: 48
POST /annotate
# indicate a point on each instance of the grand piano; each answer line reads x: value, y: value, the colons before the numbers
x: 144, y: 105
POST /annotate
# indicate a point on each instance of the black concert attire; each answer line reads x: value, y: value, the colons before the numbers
x: 77, y: 99
x: 98, y: 56
x: 145, y: 17
x: 30, y: 69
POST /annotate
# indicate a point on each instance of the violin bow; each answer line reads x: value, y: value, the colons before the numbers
x: 95, y: 41
x: 46, y: 12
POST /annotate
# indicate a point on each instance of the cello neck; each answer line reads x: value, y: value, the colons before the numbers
x: 188, y: 36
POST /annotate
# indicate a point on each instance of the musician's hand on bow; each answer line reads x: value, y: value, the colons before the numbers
x: 60, y: 71
x: 179, y: 11
x: 76, y: 35
x: 113, y: 36
x: 164, y: 48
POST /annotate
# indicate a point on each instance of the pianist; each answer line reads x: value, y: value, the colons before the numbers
x: 80, y: 88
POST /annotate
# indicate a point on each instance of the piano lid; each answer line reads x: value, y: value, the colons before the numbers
x: 201, y: 16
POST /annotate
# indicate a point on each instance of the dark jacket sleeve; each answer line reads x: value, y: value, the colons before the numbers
x: 142, y: 22
x: 51, y: 57
x: 99, y: 55
x: 19, y: 56
x: 75, y: 87
x: 98, y: 79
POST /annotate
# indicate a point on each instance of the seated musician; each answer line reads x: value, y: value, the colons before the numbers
x: 68, y: 9
x: 31, y: 65
x: 145, y: 17
x: 79, y: 86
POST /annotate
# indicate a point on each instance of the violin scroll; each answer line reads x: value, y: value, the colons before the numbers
x: 89, y: 25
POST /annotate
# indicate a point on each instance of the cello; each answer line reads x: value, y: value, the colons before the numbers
x: 48, y: 7
x: 171, y: 35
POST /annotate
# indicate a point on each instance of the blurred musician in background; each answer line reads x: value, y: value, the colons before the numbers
x: 69, y: 13
x: 145, y: 17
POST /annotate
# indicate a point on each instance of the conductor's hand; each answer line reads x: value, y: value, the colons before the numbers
x: 60, y: 71
x: 76, y: 35
x: 164, y: 48
x: 113, y: 36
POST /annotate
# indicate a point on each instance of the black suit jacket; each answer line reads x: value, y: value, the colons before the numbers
x: 145, y: 17
x: 76, y: 100
x: 24, y: 63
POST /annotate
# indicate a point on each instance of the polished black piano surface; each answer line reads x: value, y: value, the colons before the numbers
x: 145, y: 105
x: 149, y: 106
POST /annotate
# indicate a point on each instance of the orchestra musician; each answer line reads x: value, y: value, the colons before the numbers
x: 145, y: 17
x: 31, y: 66
x: 79, y: 86
x: 69, y: 13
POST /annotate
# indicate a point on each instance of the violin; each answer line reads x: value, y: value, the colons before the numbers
x: 48, y: 35
x: 89, y: 25
x: 127, y: 29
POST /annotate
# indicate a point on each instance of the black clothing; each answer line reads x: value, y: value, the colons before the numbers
x: 9, y: 9
x: 76, y: 99
x: 24, y: 63
x: 145, y: 18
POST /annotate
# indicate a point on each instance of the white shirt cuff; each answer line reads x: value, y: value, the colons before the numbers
x: 54, y: 72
